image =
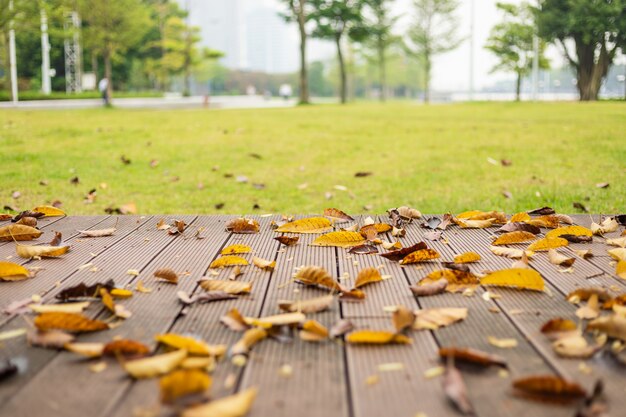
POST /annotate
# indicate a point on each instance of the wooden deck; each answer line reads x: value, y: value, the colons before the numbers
x: 329, y: 379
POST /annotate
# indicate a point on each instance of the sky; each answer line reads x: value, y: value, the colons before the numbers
x: 451, y: 70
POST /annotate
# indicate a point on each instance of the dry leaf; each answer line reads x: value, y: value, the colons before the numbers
x: 509, y: 252
x: 431, y: 288
x: 230, y: 260
x: 574, y: 346
x: 268, y: 322
x: 27, y: 221
x: 190, y: 345
x: 313, y: 331
x: 85, y: 291
x: 558, y: 327
x: 235, y: 273
x: 313, y: 305
x: 367, y: 276
x: 548, y: 221
x: 455, y: 390
x: 337, y: 215
x: 341, y: 239
x: 366, y: 249
x: 618, y: 254
x: 287, y: 241
x: 519, y: 226
x: 613, y: 326
x: 10, y: 271
x: 419, y: 256
x: 376, y: 337
x: 457, y: 279
x: 263, y: 264
x: 608, y: 225
x: 584, y: 294
x: 98, y: 233
x: 433, y: 318
x: 620, y: 269
x: 167, y: 274
x: 408, y: 212
x: 234, y: 321
x: 557, y: 259
x: 235, y: 249
x: 402, y: 318
x: 28, y: 252
x: 398, y: 255
x: 519, y: 217
x: 154, y: 365
x: 549, y: 387
x: 52, y: 339
x: 514, y: 237
x: 466, y: 257
x: 249, y: 339
x: 90, y: 350
x: 59, y: 308
x: 49, y: 211
x: 236, y: 405
x: 620, y: 242
x: 126, y: 348
x: 569, y: 230
x: 499, y: 217
x: 183, y: 382
x: 527, y: 279
x: 310, y: 225
x: 472, y: 356
x: 474, y: 224
x: 585, y: 254
x: 230, y: 287
x: 507, y: 343
x: 547, y: 243
x: 70, y: 322
x: 315, y: 275
x: 341, y: 327
x: 243, y: 226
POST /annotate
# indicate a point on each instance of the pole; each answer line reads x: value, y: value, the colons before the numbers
x: 471, y: 60
x: 535, y: 76
x: 12, y: 58
x: 45, y: 54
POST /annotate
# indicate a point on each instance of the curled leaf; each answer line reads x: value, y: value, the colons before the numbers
x: 434, y: 318
x: 402, y: 318
x: 230, y: 287
x: 264, y: 264
x: 287, y: 240
x: 71, y: 322
x: 236, y: 405
x: 557, y: 259
x: 183, y: 382
x: 466, y: 257
x: 420, y: 256
x: 340, y: 239
x: 376, y: 337
x: 313, y: 305
x: 10, y: 271
x: 549, y: 387
x: 191, y: 345
x: 230, y: 260
x: 249, y: 339
x: 367, y: 276
x: 456, y: 279
x: 28, y: 252
x: 167, y: 274
x: 313, y: 331
x: 398, y: 255
x: 310, y: 225
x: 472, y: 356
x: 98, y: 233
x: 126, y: 348
x: 154, y: 365
x: 509, y: 238
x: 243, y: 226
x: 455, y: 390
x: 431, y: 288
x: 337, y: 215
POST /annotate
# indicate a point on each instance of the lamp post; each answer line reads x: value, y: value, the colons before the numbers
x: 45, y: 54
x: 12, y: 58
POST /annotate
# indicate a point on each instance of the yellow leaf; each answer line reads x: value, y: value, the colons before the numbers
x: 496, y: 216
x: 10, y: 271
x: 234, y: 249
x: 121, y: 293
x: 618, y: 254
x: 230, y: 287
x: 340, y: 239
x: 509, y: 252
x: 514, y: 237
x: 59, y: 308
x: 367, y: 276
x: 402, y: 318
x: 620, y: 269
x: 19, y: 232
x: 419, y: 256
x: 457, y: 280
x: 236, y: 405
x: 569, y: 230
x: 547, y: 243
x: 276, y: 320
x: 434, y: 318
x: 155, y: 365
x: 528, y: 279
x: 310, y: 225
x: 90, y: 350
x: 191, y: 345
x: 315, y: 275
x: 620, y: 242
x: 243, y: 226
x: 376, y: 337
x: 466, y: 257
x: 27, y: 251
x: 520, y: 217
x: 70, y: 322
x: 313, y: 331
x: 107, y: 300
x: 249, y: 339
x: 167, y: 274
x: 474, y: 224
x: 229, y: 260
x: 549, y: 221
x: 263, y: 264
x: 49, y: 211
x: 469, y: 214
x: 502, y: 343
x: 183, y: 382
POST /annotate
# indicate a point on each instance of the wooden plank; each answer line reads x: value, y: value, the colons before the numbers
x: 135, y: 251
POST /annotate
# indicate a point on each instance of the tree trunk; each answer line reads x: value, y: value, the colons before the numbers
x: 590, y: 72
x: 304, y: 78
x: 107, y: 73
x: 94, y: 65
x: 382, y: 70
x: 343, y: 92
x: 427, y: 67
x: 518, y: 86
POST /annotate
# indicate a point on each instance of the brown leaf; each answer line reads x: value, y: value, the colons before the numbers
x: 402, y: 318
x: 398, y: 255
x: 181, y: 383
x: 98, y: 232
x: 577, y: 239
x: 549, y: 387
x: 431, y: 288
x: 85, y: 291
x: 27, y: 221
x: 472, y: 356
x: 419, y: 256
x: 583, y: 294
x: 18, y: 232
x: 125, y: 347
x: 70, y: 322
x: 543, y: 211
x: 557, y: 259
x: 456, y: 279
x: 514, y: 237
x: 367, y: 276
x: 287, y: 240
x: 312, y: 305
x: 234, y: 321
x: 455, y: 390
x: 243, y: 226
x: 433, y: 318
x: 558, y: 327
x: 551, y: 222
x: 309, y: 225
x: 519, y: 226
x: 167, y: 274
x: 337, y: 215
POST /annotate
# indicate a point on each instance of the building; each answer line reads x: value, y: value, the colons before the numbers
x: 271, y: 44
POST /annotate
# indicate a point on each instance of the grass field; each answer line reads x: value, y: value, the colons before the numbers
x: 434, y: 158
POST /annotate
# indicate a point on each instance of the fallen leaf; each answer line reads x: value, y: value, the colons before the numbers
x: 287, y: 240
x: 90, y: 350
x: 620, y: 269
x: 618, y: 254
x: 376, y: 337
x: 341, y: 239
x: 236, y: 405
x: 547, y: 243
x: 549, y: 387
x: 70, y: 322
x: 49, y: 211
x: 466, y: 257
x: 337, y: 215
x: 167, y: 274
x: 243, y: 226
x: 51, y: 339
x: 366, y: 249
x: 613, y: 326
x: 433, y: 318
x: 313, y: 331
x: 263, y: 264
x: 126, y: 348
x: 419, y: 256
x: 557, y: 259
x: 585, y: 254
x: 455, y: 390
x: 59, y: 308
x: 474, y: 224
x: 235, y: 249
x: 402, y: 318
x: 28, y: 252
x: 230, y: 287
x: 10, y: 271
x: 608, y: 225
x: 183, y: 382
x: 472, y: 356
x: 398, y: 255
x: 229, y: 260
x: 154, y: 365
x: 367, y: 276
x: 569, y: 230
x: 519, y: 227
x: 268, y: 322
x: 235, y: 273
x: 340, y: 328
x: 191, y: 345
x: 620, y: 242
x: 528, y: 279
x: 27, y: 221
x: 309, y: 225
x: 315, y: 275
x: 312, y: 305
x: 248, y: 340
x: 431, y: 288
x: 584, y: 294
x: 514, y: 237
x: 85, y: 291
x: 543, y: 211
x: 558, y: 327
x: 19, y: 232
x: 577, y: 239
x: 456, y: 279
x: 574, y: 346
x: 506, y: 343
x: 98, y: 233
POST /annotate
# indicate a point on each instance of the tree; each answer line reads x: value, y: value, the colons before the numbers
x: 380, y: 37
x: 334, y: 19
x: 298, y: 11
x: 112, y: 27
x: 595, y: 28
x: 512, y: 42
x: 432, y: 33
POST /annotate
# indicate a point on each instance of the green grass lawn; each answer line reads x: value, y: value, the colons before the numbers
x: 434, y: 158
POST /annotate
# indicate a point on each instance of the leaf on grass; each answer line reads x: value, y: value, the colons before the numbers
x: 49, y: 211
x: 236, y: 405
x: 549, y: 387
x: 167, y: 274
x: 230, y: 287
x: 229, y: 260
x: 98, y: 233
x: 234, y: 321
x: 367, y: 276
x: 557, y: 259
x: 402, y: 318
x: 248, y: 340
x: 376, y: 337
x: 310, y: 225
x: 466, y: 257
x: 10, y: 271
x: 90, y: 350
x: 126, y: 348
x: 527, y: 279
x: 472, y: 356
x: 28, y: 252
x: 434, y: 318
x: 398, y: 255
x: 420, y: 256
x: 155, y: 365
x: 59, y: 308
x: 235, y: 249
x: 263, y: 264
x: 514, y: 237
x: 519, y: 227
x: 313, y: 331
x: 547, y: 243
x: 191, y: 345
x: 312, y: 305
x: 613, y: 326
x: 337, y: 215
x: 506, y: 343
x: 70, y: 322
x: 430, y: 288
x: 287, y: 240
x: 243, y: 226
x: 456, y: 279
x: 19, y: 232
x: 569, y: 230
x: 455, y: 390
x: 183, y: 382
x: 341, y: 239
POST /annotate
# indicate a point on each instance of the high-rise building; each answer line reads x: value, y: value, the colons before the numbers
x: 270, y: 43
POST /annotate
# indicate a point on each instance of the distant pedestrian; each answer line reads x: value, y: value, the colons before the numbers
x: 285, y: 91
x: 103, y: 87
